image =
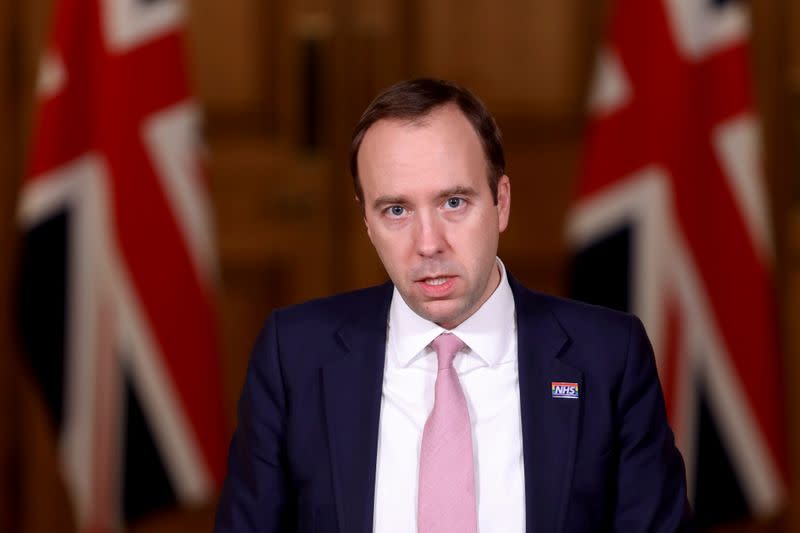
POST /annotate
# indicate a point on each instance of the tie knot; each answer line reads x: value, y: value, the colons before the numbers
x: 446, y: 346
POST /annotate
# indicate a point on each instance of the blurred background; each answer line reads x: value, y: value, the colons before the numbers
x: 280, y: 85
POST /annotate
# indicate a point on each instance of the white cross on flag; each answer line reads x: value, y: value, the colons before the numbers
x: 671, y: 223
x: 116, y: 305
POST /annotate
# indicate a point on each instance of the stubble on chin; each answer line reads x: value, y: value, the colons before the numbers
x: 445, y: 318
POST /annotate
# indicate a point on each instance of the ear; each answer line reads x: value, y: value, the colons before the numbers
x: 364, y: 217
x: 369, y: 233
x: 503, y: 201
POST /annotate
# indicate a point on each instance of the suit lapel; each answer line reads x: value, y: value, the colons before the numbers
x: 352, y: 395
x: 549, y: 425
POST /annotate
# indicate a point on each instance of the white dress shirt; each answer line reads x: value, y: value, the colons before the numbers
x: 489, y: 375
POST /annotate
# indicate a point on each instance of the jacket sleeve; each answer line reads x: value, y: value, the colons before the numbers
x: 651, y: 480
x: 255, y: 493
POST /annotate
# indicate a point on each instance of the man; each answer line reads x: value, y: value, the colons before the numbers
x: 453, y: 399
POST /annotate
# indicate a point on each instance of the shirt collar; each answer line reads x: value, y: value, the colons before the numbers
x: 487, y: 332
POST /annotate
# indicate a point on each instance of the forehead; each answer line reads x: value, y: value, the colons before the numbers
x: 440, y: 149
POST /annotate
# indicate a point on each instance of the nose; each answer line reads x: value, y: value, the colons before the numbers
x: 429, y: 235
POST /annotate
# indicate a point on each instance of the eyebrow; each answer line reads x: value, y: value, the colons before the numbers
x: 459, y: 190
x: 382, y: 201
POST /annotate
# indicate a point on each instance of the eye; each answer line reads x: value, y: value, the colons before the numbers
x: 454, y: 202
x: 396, y: 211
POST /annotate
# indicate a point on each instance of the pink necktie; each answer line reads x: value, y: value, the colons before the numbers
x: 446, y: 471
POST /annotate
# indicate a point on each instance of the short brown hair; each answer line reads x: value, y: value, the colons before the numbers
x: 415, y: 99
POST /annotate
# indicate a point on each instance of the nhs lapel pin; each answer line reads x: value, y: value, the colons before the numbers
x: 563, y: 389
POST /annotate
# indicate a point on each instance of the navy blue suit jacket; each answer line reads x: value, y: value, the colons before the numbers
x: 304, y: 453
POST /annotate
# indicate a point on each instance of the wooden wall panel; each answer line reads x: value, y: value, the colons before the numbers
x: 542, y: 166
x: 386, y: 35
x: 229, y: 46
x: 9, y: 444
x: 786, y: 198
x: 41, y: 502
x: 790, y: 298
x: 520, y: 56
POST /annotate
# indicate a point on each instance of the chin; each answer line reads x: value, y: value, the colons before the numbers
x: 448, y: 318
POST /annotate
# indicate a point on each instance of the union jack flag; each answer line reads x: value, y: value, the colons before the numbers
x: 671, y: 222
x: 115, y: 303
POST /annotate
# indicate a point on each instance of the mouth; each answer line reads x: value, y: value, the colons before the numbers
x: 437, y: 286
x: 435, y: 282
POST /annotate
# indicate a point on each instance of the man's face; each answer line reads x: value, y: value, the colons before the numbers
x: 430, y: 214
